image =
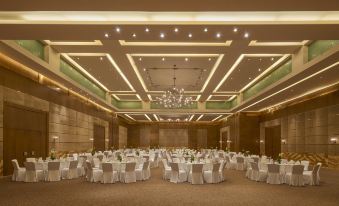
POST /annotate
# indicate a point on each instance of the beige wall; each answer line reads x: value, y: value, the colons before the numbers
x: 122, y: 137
x: 73, y: 129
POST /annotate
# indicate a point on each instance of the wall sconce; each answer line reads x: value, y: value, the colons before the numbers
x: 229, y: 141
x: 107, y: 140
x: 334, y: 140
x: 262, y: 141
x: 91, y: 139
x: 283, y: 141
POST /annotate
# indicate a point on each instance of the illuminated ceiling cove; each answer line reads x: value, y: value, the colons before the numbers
x: 227, y: 61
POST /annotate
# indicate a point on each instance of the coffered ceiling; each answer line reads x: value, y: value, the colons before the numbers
x: 215, y: 56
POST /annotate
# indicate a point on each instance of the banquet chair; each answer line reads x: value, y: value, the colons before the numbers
x: 19, y: 172
x: 257, y: 174
x: 312, y: 177
x: 212, y: 176
x: 273, y: 174
x: 295, y: 178
x: 109, y: 175
x: 240, y: 163
x: 176, y: 174
x: 100, y: 157
x: 154, y: 162
x: 95, y: 162
x: 32, y: 174
x: 30, y: 159
x: 228, y: 162
x: 305, y: 163
x: 81, y: 167
x: 249, y: 170
x: 70, y: 172
x: 166, y: 172
x: 128, y: 175
x: 222, y: 170
x: 143, y: 173
x: 93, y: 174
x: 256, y: 159
x: 53, y: 173
x: 196, y: 174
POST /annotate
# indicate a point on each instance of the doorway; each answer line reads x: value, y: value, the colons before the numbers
x: 25, y: 134
x: 273, y: 141
x: 99, y: 137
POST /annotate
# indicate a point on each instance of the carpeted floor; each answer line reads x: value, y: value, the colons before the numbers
x: 237, y: 190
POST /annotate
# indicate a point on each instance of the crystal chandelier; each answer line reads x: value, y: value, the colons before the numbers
x: 174, y: 98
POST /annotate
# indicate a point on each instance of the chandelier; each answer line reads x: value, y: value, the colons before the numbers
x: 173, y: 97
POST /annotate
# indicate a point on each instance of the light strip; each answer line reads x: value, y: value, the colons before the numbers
x: 149, y: 119
x: 129, y: 43
x: 131, y: 61
x: 198, y: 97
x: 119, y: 71
x: 130, y: 117
x: 116, y: 97
x: 216, y: 65
x: 138, y: 96
x: 268, y: 70
x: 80, y: 43
x: 191, y: 117
x: 216, y: 118
x: 218, y: 95
x: 256, y: 43
x: 150, y: 97
x: 300, y: 96
x: 174, y: 55
x: 69, y: 59
x: 169, y: 18
x: 156, y: 117
x: 302, y: 80
x: 199, y: 117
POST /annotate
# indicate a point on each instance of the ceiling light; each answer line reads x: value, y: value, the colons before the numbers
x: 209, y: 59
x: 134, y: 35
x: 235, y: 29
x: 147, y: 30
x: 205, y: 30
x: 218, y: 35
x: 144, y: 69
x: 246, y: 35
x: 176, y: 29
x: 186, y: 59
x: 259, y: 69
x: 140, y: 59
x: 163, y: 59
x: 106, y: 35
x: 272, y: 59
x: 101, y: 58
x: 190, y: 35
x: 162, y: 35
x: 249, y: 78
x: 117, y: 29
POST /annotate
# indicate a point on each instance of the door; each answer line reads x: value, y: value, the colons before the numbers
x: 273, y: 141
x: 99, y: 138
x: 25, y: 134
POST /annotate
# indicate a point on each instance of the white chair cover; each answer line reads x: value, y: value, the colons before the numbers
x: 176, y: 174
x: 222, y: 171
x: 128, y: 175
x: 240, y: 163
x: 70, y: 172
x: 30, y: 159
x: 312, y: 177
x: 32, y: 174
x: 305, y: 163
x: 257, y: 174
x: 109, y: 175
x: 212, y: 176
x: 295, y: 178
x: 93, y: 174
x: 166, y: 174
x: 273, y: 175
x: 19, y: 173
x: 53, y: 173
x: 196, y: 174
x: 143, y: 173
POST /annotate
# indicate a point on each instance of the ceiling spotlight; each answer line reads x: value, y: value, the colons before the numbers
x: 106, y: 35
x: 272, y: 59
x: 144, y: 69
x: 235, y: 29
x: 140, y: 58
x: 134, y: 35
x: 186, y: 59
x: 209, y: 59
x: 259, y: 70
x: 101, y: 58
x: 218, y: 35
x: 117, y: 29
x: 246, y: 35
x: 249, y: 78
x: 162, y: 35
x: 190, y: 35
x: 176, y: 29
x: 205, y: 30
x: 163, y: 59
x: 147, y: 30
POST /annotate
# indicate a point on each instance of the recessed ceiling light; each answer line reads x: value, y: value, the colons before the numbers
x: 162, y: 35
x: 235, y: 29
x: 209, y: 59
x: 246, y: 35
x: 218, y: 35
x: 186, y: 59
x: 176, y: 29
x: 163, y: 59
x: 140, y: 58
x: 101, y: 58
x: 134, y: 35
x: 117, y: 29
x: 106, y: 35
x: 260, y: 59
x: 205, y: 30
x: 147, y: 29
x: 272, y: 59
x: 259, y: 69
x: 190, y: 35
x: 249, y: 78
x: 144, y: 69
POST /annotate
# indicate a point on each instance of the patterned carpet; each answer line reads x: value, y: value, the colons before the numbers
x: 237, y: 190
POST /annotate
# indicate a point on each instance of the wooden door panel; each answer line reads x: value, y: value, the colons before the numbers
x: 99, y: 137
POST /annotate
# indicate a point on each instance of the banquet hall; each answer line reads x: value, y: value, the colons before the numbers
x: 145, y: 102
